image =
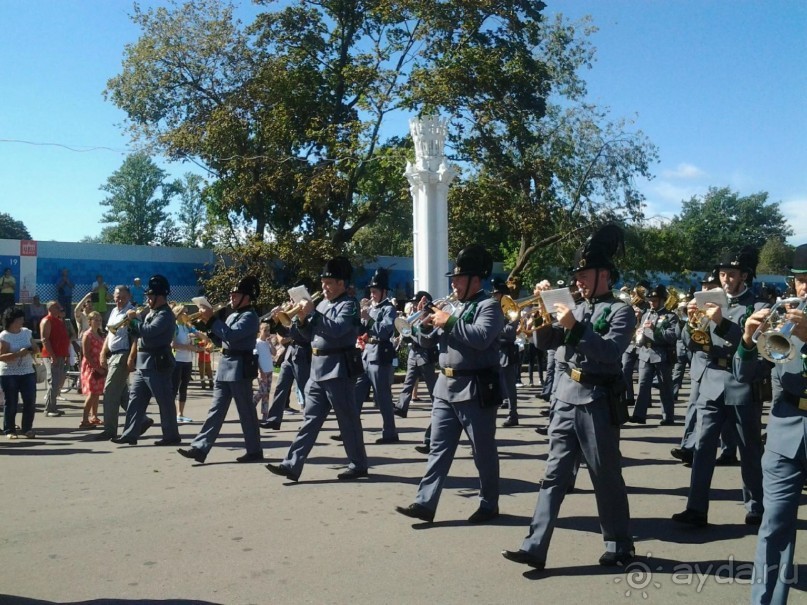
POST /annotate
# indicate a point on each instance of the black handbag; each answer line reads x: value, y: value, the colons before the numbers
x: 355, y: 367
x: 490, y: 393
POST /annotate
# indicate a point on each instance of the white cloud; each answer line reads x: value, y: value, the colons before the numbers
x: 795, y: 211
x: 684, y: 171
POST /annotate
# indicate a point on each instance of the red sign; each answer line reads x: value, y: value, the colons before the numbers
x: 27, y: 247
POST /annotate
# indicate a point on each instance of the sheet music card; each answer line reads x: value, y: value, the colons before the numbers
x: 559, y: 296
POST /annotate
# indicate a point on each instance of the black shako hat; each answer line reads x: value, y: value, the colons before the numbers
x: 745, y: 260
x: 799, y: 260
x: 500, y: 287
x: 711, y: 279
x: 248, y: 285
x: 420, y: 294
x: 158, y: 286
x: 599, y: 250
x: 660, y: 291
x: 473, y: 260
x: 338, y: 267
x: 380, y: 279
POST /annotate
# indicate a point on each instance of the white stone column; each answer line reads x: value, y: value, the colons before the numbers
x: 429, y: 178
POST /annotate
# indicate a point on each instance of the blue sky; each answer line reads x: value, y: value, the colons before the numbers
x: 718, y: 85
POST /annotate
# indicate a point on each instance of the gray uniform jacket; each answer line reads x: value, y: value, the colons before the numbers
x: 332, y: 329
x: 420, y: 355
x: 717, y: 378
x: 380, y: 329
x: 659, y: 342
x: 468, y: 342
x: 605, y: 327
x: 786, y: 421
x: 238, y: 333
x: 508, y: 350
x: 156, y: 333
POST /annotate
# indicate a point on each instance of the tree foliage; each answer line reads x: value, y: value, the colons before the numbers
x: 137, y: 201
x: 775, y: 257
x: 11, y: 228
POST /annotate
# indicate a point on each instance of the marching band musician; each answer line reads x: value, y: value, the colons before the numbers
x: 237, y: 369
x: 588, y: 404
x: 723, y: 400
x: 631, y: 356
x: 466, y: 394
x: 655, y: 341
x: 154, y: 365
x: 784, y: 464
x: 378, y: 326
x: 295, y: 366
x: 508, y: 358
x: 332, y: 330
x: 420, y: 363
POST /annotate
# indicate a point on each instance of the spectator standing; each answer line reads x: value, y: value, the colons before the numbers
x: 82, y: 313
x: 93, y: 374
x: 34, y: 314
x: 8, y: 290
x: 64, y: 293
x: 17, y: 376
x: 99, y: 288
x: 265, y: 352
x: 55, y: 346
x: 184, y: 348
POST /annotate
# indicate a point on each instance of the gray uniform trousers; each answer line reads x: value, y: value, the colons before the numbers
x: 549, y: 384
x: 145, y: 384
x: 587, y: 429
x: 223, y: 394
x: 508, y: 376
x: 56, y: 372
x: 289, y: 373
x: 647, y: 371
x: 379, y: 376
x: 629, y: 361
x: 320, y: 396
x: 426, y: 373
x: 447, y: 423
x: 744, y: 422
x: 116, y: 392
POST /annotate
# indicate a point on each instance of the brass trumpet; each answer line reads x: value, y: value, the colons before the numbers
x: 512, y: 308
x: 405, y: 325
x: 198, y: 315
x: 699, y: 328
x: 285, y: 317
x: 123, y: 323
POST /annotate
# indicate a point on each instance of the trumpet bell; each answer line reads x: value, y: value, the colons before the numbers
x: 775, y: 347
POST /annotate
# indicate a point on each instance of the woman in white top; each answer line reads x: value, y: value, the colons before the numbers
x: 185, y: 347
x: 265, y: 352
x: 17, y: 375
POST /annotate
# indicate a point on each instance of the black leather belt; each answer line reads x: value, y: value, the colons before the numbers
x: 322, y: 352
x: 374, y: 341
x: 118, y: 352
x: 799, y: 402
x: 236, y: 353
x: 596, y: 380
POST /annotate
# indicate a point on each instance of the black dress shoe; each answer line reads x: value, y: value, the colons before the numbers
x: 542, y: 430
x: 283, y: 471
x: 275, y: 426
x: 124, y: 441
x: 193, y: 453
x: 637, y: 420
x: 423, y: 448
x: 99, y: 437
x: 400, y: 413
x: 726, y: 461
x: 384, y: 440
x: 682, y: 454
x: 483, y: 515
x: 177, y: 441
x: 416, y: 511
x: 691, y: 517
x: 351, y: 474
x: 611, y: 559
x: 754, y: 519
x: 510, y: 422
x: 337, y: 437
x: 667, y: 422
x: 147, y: 424
x: 523, y: 557
x: 254, y: 457
x: 544, y: 412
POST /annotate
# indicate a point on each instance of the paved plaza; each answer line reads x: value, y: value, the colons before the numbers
x: 90, y: 522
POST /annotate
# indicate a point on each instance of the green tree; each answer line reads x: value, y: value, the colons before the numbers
x: 722, y: 221
x: 138, y: 197
x: 11, y: 228
x: 774, y: 257
x: 192, y: 210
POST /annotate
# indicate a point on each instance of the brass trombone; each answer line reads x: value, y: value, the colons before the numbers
x: 123, y: 323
